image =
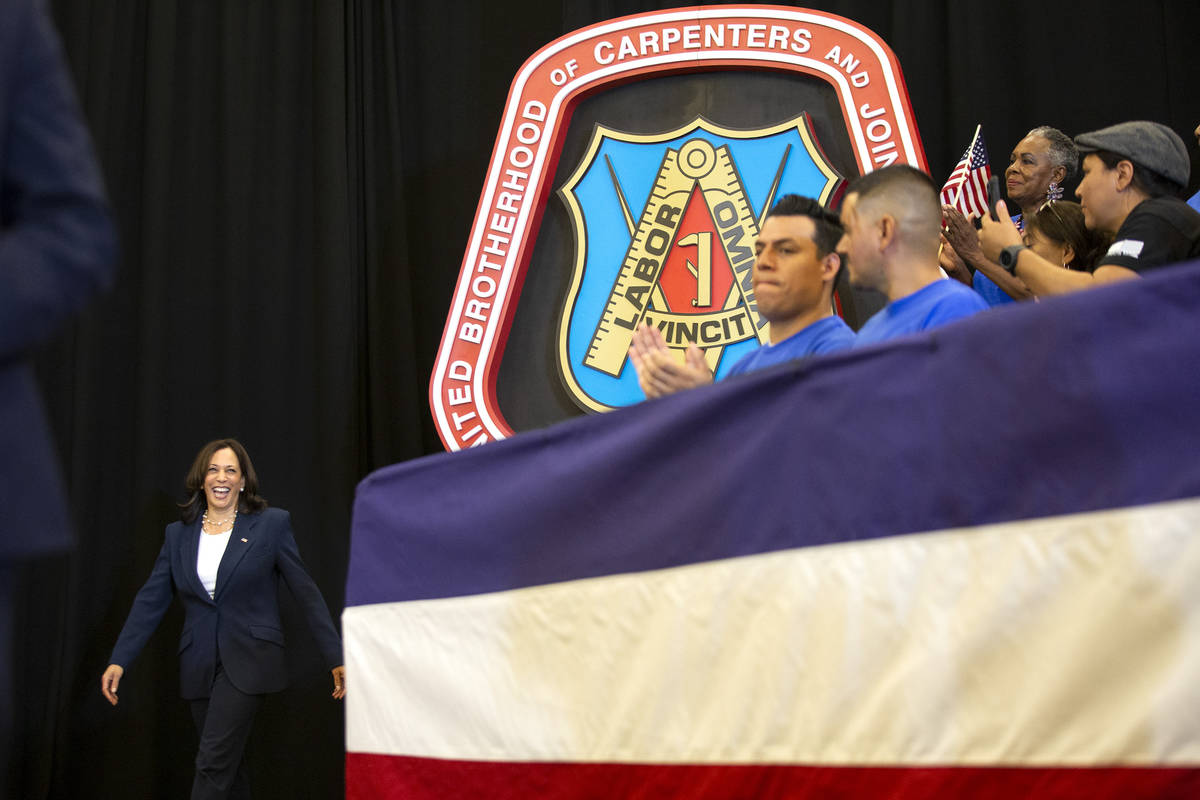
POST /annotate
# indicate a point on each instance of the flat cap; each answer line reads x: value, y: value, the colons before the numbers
x: 1151, y: 145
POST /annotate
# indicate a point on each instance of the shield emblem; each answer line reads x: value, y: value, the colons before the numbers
x: 529, y: 340
x: 664, y: 234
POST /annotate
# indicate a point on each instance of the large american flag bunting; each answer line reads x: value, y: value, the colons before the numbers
x: 966, y: 188
x: 820, y: 580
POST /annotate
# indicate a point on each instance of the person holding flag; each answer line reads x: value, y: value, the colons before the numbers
x: 1039, y: 165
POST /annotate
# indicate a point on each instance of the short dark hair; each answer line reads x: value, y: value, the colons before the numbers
x: 828, y: 228
x: 866, y: 185
x: 249, y: 501
x: 907, y: 193
x: 1146, y: 181
x: 1062, y: 222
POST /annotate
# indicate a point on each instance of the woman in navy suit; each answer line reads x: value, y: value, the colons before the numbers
x: 223, y: 561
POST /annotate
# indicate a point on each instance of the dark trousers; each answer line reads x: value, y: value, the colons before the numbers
x: 223, y: 721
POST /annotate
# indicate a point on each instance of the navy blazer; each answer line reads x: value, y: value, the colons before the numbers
x: 241, y: 622
x: 57, y: 249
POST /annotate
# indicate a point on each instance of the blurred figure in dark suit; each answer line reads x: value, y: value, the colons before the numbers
x: 57, y: 249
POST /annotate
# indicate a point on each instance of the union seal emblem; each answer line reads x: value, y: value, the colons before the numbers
x: 659, y: 207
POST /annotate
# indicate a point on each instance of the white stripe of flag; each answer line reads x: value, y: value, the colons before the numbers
x: 966, y: 188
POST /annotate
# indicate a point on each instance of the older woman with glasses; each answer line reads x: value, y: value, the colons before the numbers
x: 1039, y: 165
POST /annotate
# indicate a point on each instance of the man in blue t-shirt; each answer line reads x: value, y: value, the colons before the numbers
x: 794, y: 272
x: 1194, y: 201
x: 892, y: 222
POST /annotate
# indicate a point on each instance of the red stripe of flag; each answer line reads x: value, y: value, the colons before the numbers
x: 966, y: 188
x: 381, y: 777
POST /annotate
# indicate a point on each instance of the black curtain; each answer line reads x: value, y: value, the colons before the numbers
x: 294, y: 181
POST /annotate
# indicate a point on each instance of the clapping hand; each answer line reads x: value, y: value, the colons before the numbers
x: 659, y: 371
x: 960, y: 234
x: 949, y: 260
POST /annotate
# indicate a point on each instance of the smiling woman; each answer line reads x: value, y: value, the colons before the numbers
x: 220, y: 482
x: 223, y: 560
x: 1037, y: 168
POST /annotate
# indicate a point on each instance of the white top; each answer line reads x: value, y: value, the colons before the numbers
x: 208, y: 558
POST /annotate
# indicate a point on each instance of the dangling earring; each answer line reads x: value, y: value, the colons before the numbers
x: 1054, y: 192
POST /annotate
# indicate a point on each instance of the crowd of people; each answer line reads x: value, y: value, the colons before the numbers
x: 935, y: 266
x: 226, y: 556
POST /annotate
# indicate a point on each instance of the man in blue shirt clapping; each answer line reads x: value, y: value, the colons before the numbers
x: 795, y: 270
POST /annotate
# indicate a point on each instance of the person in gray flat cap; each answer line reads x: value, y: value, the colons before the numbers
x: 1133, y: 174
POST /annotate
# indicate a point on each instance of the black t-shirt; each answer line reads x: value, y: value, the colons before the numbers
x: 1158, y: 232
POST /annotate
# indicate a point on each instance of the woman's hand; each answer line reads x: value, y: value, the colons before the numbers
x: 949, y: 260
x: 109, y: 681
x: 339, y: 682
x: 995, y: 236
x: 960, y: 233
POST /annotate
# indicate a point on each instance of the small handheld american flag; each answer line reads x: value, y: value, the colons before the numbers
x: 966, y: 188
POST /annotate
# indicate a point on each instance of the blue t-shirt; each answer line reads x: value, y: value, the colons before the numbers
x: 989, y: 290
x: 823, y: 336
x: 938, y: 303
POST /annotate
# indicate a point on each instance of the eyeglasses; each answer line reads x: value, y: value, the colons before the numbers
x: 1050, y: 205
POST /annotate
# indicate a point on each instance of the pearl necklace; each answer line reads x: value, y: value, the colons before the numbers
x: 218, y: 526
